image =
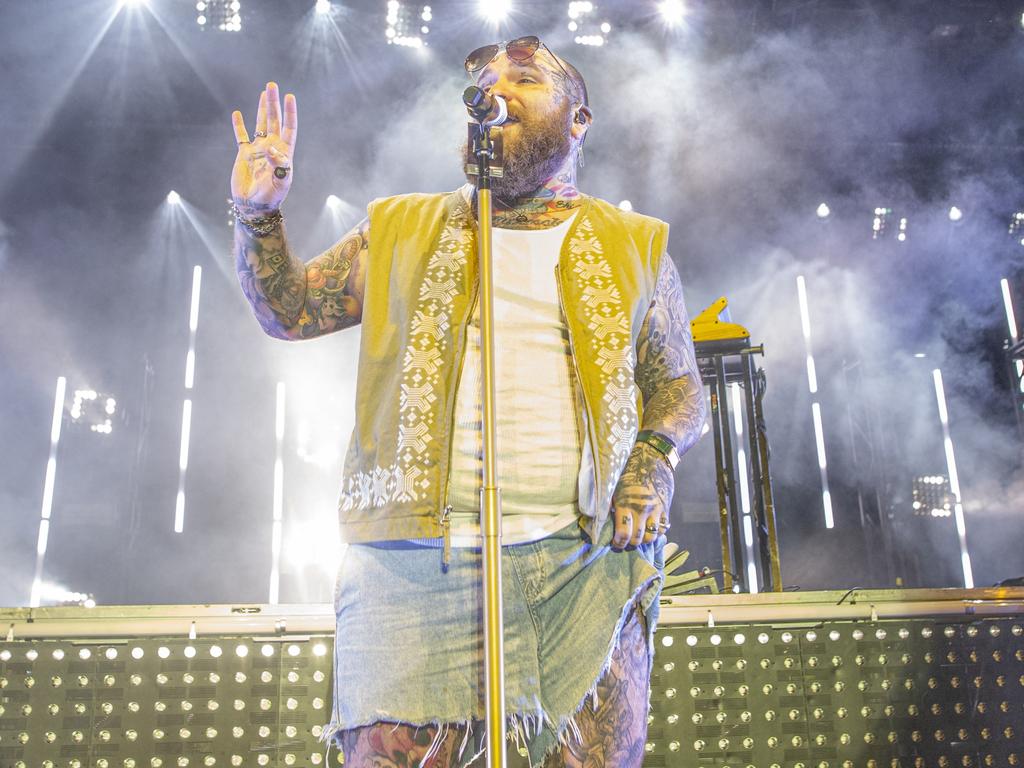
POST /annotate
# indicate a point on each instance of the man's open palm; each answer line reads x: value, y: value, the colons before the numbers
x: 255, y: 187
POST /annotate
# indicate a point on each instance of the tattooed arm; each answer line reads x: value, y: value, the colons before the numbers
x: 673, y: 398
x: 292, y: 300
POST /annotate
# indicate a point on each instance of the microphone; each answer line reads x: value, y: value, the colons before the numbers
x: 485, y: 109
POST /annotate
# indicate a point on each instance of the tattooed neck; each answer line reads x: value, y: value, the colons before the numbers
x: 548, y: 206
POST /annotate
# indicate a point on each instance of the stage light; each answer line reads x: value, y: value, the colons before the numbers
x: 812, y: 385
x: 173, y: 198
x: 880, y: 223
x: 495, y: 11
x: 48, y: 485
x: 578, y: 7
x: 223, y: 15
x: 581, y: 21
x: 323, y: 7
x: 955, y: 214
x: 626, y: 205
x: 954, y: 480
x: 823, y: 211
x: 132, y: 3
x: 404, y: 24
x: 193, y: 315
x: 333, y: 201
x: 931, y: 496
x: 1011, y: 317
x: 1017, y: 226
x: 901, y: 235
x: 672, y: 12
x: 186, y: 430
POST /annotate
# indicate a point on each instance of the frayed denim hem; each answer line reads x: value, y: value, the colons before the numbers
x: 526, y: 729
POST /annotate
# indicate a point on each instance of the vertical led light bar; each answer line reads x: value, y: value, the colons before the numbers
x: 48, y: 484
x: 954, y: 480
x: 741, y: 462
x: 812, y: 385
x: 275, y: 539
x: 186, y: 433
x: 1011, y: 318
x: 1011, y: 322
x: 186, y: 412
x: 193, y: 324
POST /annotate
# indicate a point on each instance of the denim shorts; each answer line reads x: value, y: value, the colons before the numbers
x: 409, y: 641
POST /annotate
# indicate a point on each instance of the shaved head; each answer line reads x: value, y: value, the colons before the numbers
x: 572, y: 87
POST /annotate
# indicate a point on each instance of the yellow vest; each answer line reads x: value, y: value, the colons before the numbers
x: 421, y: 287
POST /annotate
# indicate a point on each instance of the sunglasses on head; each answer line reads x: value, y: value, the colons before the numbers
x: 521, y: 50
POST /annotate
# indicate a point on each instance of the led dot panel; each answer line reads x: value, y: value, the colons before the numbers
x: 884, y: 694
x: 910, y: 694
x: 162, y: 702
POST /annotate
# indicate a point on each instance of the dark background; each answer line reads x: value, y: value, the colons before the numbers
x: 733, y: 126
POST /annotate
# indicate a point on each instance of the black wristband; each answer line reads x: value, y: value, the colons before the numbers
x: 661, y: 443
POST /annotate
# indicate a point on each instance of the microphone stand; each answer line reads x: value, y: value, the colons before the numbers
x: 487, y: 152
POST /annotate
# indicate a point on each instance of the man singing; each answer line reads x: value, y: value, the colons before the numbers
x: 597, y: 395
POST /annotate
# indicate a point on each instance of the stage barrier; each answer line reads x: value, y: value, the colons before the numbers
x: 861, y: 679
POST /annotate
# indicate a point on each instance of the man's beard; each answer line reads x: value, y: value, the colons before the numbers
x: 538, y: 150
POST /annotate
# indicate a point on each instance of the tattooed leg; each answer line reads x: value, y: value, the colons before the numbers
x: 399, y: 745
x: 614, y: 734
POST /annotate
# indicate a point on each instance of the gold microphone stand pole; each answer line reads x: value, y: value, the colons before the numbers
x: 488, y: 160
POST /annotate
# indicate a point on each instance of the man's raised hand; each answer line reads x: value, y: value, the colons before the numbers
x: 262, y: 174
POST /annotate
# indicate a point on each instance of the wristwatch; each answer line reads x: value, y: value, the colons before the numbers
x: 661, y: 443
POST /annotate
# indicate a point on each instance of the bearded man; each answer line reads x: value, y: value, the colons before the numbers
x: 597, y: 394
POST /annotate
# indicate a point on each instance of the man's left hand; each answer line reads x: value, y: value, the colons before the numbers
x: 640, y: 505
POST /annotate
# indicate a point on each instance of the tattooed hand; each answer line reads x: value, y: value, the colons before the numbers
x: 669, y: 380
x: 255, y: 187
x: 642, y: 498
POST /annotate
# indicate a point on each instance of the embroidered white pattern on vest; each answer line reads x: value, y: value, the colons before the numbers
x: 405, y: 480
x: 610, y: 344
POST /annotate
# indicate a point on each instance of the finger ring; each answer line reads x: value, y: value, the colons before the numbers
x: 259, y: 134
x: 280, y: 172
x: 651, y: 529
x: 244, y: 141
x: 664, y: 526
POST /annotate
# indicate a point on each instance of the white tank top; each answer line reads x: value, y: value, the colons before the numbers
x: 538, y: 441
